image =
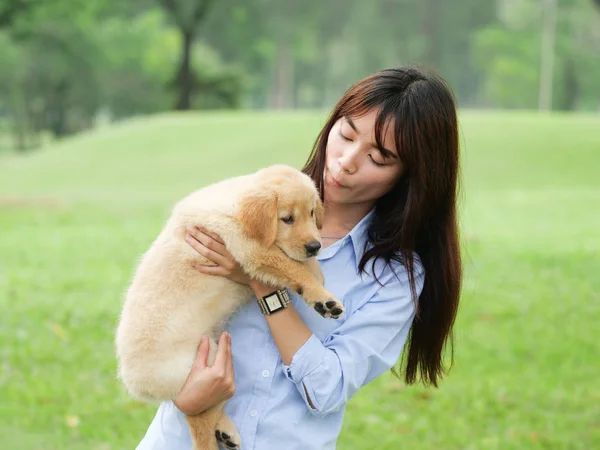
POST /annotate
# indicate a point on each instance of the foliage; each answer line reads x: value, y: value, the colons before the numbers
x: 68, y: 63
x: 508, y: 53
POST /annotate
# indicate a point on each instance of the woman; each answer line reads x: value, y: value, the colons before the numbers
x: 386, y: 165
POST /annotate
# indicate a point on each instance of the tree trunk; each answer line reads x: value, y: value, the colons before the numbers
x: 20, y: 134
x: 547, y: 54
x: 571, y: 86
x: 19, y: 121
x: 188, y: 22
x: 430, y: 27
x: 57, y: 114
x: 281, y: 95
x: 185, y: 77
x: 34, y: 121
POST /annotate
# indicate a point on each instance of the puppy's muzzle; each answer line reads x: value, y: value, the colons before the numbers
x: 312, y: 248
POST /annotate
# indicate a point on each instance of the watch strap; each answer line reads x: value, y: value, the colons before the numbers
x: 274, y: 301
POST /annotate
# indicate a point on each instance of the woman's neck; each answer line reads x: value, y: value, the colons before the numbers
x: 339, y: 220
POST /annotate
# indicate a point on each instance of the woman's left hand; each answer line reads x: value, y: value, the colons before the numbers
x: 213, y: 248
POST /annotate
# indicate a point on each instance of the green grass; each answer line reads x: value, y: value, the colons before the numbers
x: 74, y: 217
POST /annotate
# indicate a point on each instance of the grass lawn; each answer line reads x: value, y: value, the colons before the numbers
x: 74, y: 217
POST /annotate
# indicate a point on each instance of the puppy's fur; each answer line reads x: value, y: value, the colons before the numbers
x: 170, y: 305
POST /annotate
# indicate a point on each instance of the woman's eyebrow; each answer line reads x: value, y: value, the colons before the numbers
x: 384, y: 151
x: 387, y: 153
x: 351, y: 123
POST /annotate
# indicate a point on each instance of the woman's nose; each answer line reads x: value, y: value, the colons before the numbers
x: 347, y: 161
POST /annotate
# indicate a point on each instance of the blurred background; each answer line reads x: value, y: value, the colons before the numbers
x: 68, y: 64
x: 110, y: 111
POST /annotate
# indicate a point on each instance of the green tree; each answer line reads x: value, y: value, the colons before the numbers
x: 508, y: 53
x: 187, y: 15
x: 56, y: 82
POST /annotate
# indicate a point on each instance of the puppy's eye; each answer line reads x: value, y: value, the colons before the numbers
x: 312, y: 213
x: 288, y: 220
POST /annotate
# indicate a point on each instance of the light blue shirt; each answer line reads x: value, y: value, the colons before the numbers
x: 270, y: 407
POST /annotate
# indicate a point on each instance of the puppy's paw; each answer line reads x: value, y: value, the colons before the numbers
x: 330, y: 308
x: 228, y: 441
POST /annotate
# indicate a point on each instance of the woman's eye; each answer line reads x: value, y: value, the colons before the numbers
x: 344, y: 137
x: 288, y: 220
x: 377, y: 163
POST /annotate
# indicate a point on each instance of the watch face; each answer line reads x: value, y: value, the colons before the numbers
x: 273, y: 302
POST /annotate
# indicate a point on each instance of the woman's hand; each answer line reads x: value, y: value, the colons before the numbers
x: 207, y: 386
x: 224, y: 264
x: 213, y: 248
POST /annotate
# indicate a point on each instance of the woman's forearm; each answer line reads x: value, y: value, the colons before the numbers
x: 287, y: 328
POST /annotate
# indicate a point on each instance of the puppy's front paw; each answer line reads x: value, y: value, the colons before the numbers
x: 330, y: 309
x: 227, y: 440
x: 227, y: 434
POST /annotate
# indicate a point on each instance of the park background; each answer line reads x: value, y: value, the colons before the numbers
x: 110, y: 111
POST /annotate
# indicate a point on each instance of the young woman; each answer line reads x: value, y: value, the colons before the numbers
x: 386, y: 164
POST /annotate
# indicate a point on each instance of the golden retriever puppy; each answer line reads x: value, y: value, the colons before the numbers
x: 270, y: 223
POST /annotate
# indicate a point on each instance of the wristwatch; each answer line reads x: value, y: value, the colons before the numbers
x: 274, y: 301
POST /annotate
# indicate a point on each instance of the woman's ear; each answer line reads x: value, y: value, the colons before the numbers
x: 259, y: 216
x: 319, y: 212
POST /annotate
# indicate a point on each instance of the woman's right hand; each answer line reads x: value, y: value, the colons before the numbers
x: 207, y: 386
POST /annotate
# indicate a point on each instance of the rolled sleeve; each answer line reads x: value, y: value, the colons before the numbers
x: 307, y: 359
x: 365, y: 346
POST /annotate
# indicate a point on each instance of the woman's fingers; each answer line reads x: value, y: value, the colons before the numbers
x: 202, y: 353
x: 203, y: 247
x: 208, y: 239
x: 223, y: 352
x: 214, y: 242
x: 216, y: 237
x: 224, y: 364
x: 211, y: 249
x: 195, y: 243
x: 229, y: 362
x: 210, y: 270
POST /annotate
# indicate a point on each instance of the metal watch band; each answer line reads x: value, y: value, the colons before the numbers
x: 274, y: 301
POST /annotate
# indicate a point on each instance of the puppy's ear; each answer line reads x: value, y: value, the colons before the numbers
x: 259, y: 216
x: 319, y: 214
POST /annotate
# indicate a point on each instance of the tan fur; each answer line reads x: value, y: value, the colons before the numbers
x: 170, y: 305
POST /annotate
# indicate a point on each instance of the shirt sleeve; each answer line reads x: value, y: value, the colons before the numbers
x: 368, y: 344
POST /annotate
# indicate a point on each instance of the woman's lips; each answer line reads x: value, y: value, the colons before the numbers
x: 337, y: 183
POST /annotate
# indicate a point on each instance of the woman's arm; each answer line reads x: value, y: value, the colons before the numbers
x: 288, y: 330
x: 328, y: 373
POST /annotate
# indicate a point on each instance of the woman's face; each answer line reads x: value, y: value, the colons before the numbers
x: 356, y: 171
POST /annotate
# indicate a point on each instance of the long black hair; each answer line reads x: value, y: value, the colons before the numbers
x: 419, y: 214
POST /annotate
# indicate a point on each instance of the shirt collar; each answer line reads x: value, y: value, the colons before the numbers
x: 358, y: 236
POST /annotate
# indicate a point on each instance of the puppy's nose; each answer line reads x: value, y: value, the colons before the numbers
x: 312, y: 248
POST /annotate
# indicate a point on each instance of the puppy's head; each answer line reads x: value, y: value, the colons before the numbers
x: 284, y: 209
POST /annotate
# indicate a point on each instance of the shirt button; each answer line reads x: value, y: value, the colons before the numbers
x: 253, y: 412
x: 265, y: 373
